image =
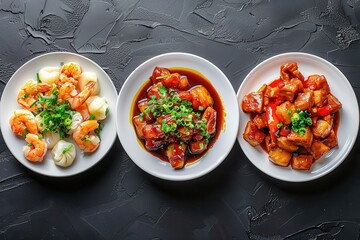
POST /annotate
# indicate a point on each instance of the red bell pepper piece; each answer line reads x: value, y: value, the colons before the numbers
x: 326, y: 110
x: 277, y: 83
x: 284, y: 131
x: 314, y: 121
x: 273, y: 120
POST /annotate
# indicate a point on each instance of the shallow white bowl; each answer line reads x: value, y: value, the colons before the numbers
x: 127, y: 135
x: 308, y: 64
x: 9, y: 103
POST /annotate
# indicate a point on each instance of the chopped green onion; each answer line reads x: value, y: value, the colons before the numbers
x: 38, y: 77
x: 67, y: 148
x: 25, y: 96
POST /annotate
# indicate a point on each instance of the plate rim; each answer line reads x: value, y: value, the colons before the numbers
x: 112, y: 86
x: 356, y: 115
x: 232, y: 140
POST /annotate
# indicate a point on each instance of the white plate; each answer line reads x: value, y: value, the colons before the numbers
x: 308, y: 64
x: 127, y: 135
x: 9, y: 103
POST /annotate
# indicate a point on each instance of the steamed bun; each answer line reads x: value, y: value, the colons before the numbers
x: 86, y: 77
x: 64, y: 153
x: 98, y: 106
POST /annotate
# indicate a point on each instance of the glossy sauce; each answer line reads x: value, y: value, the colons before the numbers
x: 195, y: 78
x: 336, y: 124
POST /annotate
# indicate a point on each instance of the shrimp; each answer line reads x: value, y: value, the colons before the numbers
x: 69, y: 93
x: 69, y: 72
x: 27, y: 95
x: 36, y: 148
x: 84, y: 111
x: 22, y: 122
x: 85, y: 137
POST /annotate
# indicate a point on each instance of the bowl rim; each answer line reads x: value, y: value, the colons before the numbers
x: 231, y: 140
x: 111, y: 85
x: 352, y: 93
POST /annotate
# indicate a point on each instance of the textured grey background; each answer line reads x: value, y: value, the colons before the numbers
x: 115, y: 199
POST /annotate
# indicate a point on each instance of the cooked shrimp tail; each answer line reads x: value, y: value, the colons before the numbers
x: 79, y: 99
x: 28, y: 94
x: 22, y: 122
x: 69, y: 72
x: 36, y: 148
x: 85, y: 137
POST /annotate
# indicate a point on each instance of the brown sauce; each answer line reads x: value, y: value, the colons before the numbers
x: 195, y: 78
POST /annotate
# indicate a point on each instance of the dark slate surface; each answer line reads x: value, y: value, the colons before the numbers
x: 117, y: 200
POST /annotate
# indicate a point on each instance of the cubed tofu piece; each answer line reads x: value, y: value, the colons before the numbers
x: 331, y: 140
x: 260, y: 121
x: 171, y: 81
x: 176, y: 155
x: 268, y: 144
x: 198, y: 146
x: 334, y: 103
x: 285, y: 144
x: 302, y: 162
x: 320, y: 98
x: 305, y: 140
x: 252, y: 134
x: 184, y: 83
x: 253, y: 102
x: 288, y: 91
x: 272, y: 92
x: 298, y: 83
x: 289, y: 71
x: 201, y: 98
x: 322, y: 129
x: 304, y: 100
x: 329, y: 119
x: 279, y: 156
x: 284, y: 112
x: 139, y: 124
x: 318, y: 149
x: 262, y: 89
x: 317, y: 82
x: 209, y: 117
x: 158, y: 73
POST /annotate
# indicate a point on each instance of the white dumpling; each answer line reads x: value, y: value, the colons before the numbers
x: 64, y: 153
x: 98, y: 107
x: 75, y: 122
x: 40, y: 122
x: 49, y: 74
x: 86, y: 77
x: 51, y: 139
